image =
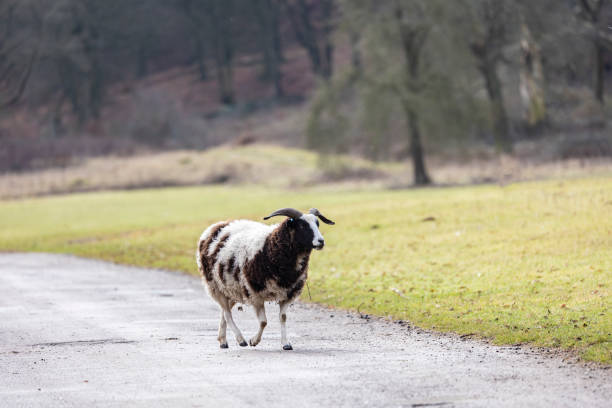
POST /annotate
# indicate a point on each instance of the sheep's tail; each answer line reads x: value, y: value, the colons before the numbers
x: 198, y: 256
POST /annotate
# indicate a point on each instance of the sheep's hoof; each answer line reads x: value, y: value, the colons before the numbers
x: 223, y: 345
x: 243, y: 343
x: 287, y: 347
x: 252, y: 343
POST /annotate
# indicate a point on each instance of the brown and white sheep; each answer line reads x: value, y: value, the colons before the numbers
x: 252, y: 263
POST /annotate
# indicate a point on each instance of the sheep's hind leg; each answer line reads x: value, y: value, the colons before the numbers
x: 283, y: 319
x: 227, y: 313
x: 260, y: 310
x: 222, y: 331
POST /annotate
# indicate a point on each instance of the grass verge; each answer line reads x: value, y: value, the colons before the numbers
x: 524, y: 263
x: 270, y: 166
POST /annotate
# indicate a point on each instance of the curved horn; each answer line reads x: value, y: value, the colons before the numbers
x: 287, y: 212
x: 316, y: 212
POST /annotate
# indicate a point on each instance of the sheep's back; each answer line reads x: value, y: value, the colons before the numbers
x: 224, y: 250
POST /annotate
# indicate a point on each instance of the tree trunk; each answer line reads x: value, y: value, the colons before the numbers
x: 600, y: 73
x: 413, y: 39
x: 532, y: 81
x: 225, y: 80
x: 328, y: 66
x: 316, y: 42
x: 142, y: 68
x: 592, y: 12
x: 57, y: 127
x: 96, y: 89
x: 95, y: 74
x: 277, y: 76
x: 200, y: 56
x: 498, y: 110
x: 71, y: 82
x: 267, y: 13
x: 219, y: 16
x: 355, y: 53
x: 416, y: 149
x: 328, y: 47
x: 198, y: 23
x: 263, y: 17
x: 276, y: 36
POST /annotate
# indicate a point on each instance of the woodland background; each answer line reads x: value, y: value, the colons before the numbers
x: 409, y: 81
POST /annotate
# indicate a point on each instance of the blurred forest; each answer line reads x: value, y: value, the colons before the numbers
x: 386, y: 80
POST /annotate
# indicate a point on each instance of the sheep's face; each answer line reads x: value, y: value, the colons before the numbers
x: 307, y: 232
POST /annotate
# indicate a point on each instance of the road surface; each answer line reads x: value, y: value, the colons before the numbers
x: 83, y: 333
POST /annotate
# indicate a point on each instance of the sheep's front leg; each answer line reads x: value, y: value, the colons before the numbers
x: 283, y: 319
x: 222, y: 331
x: 261, y: 315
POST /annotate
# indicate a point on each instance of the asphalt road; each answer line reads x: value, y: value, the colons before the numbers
x: 84, y: 333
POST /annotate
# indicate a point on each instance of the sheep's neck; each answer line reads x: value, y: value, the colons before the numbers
x: 288, y: 258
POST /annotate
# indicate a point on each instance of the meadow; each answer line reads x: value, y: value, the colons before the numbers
x: 527, y: 263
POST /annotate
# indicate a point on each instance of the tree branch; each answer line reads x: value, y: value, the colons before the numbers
x: 23, y: 82
x: 587, y: 7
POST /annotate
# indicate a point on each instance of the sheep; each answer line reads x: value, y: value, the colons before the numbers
x: 251, y: 263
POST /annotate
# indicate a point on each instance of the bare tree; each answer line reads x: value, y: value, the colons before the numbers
x: 220, y: 19
x: 413, y: 37
x: 75, y: 39
x: 487, y: 46
x: 312, y: 24
x: 389, y: 30
x: 142, y: 33
x: 214, y: 19
x: 532, y: 79
x: 199, y: 29
x: 351, y: 23
x: 268, y: 18
x: 591, y: 12
x: 18, y: 53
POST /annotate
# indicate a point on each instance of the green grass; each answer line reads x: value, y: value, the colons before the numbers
x: 524, y: 263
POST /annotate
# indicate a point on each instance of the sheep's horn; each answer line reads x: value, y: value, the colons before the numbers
x: 316, y: 212
x: 287, y: 212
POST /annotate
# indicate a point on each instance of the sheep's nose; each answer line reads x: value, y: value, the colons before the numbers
x: 321, y: 242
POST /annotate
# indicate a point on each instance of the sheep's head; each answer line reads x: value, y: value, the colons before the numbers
x: 306, y: 226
